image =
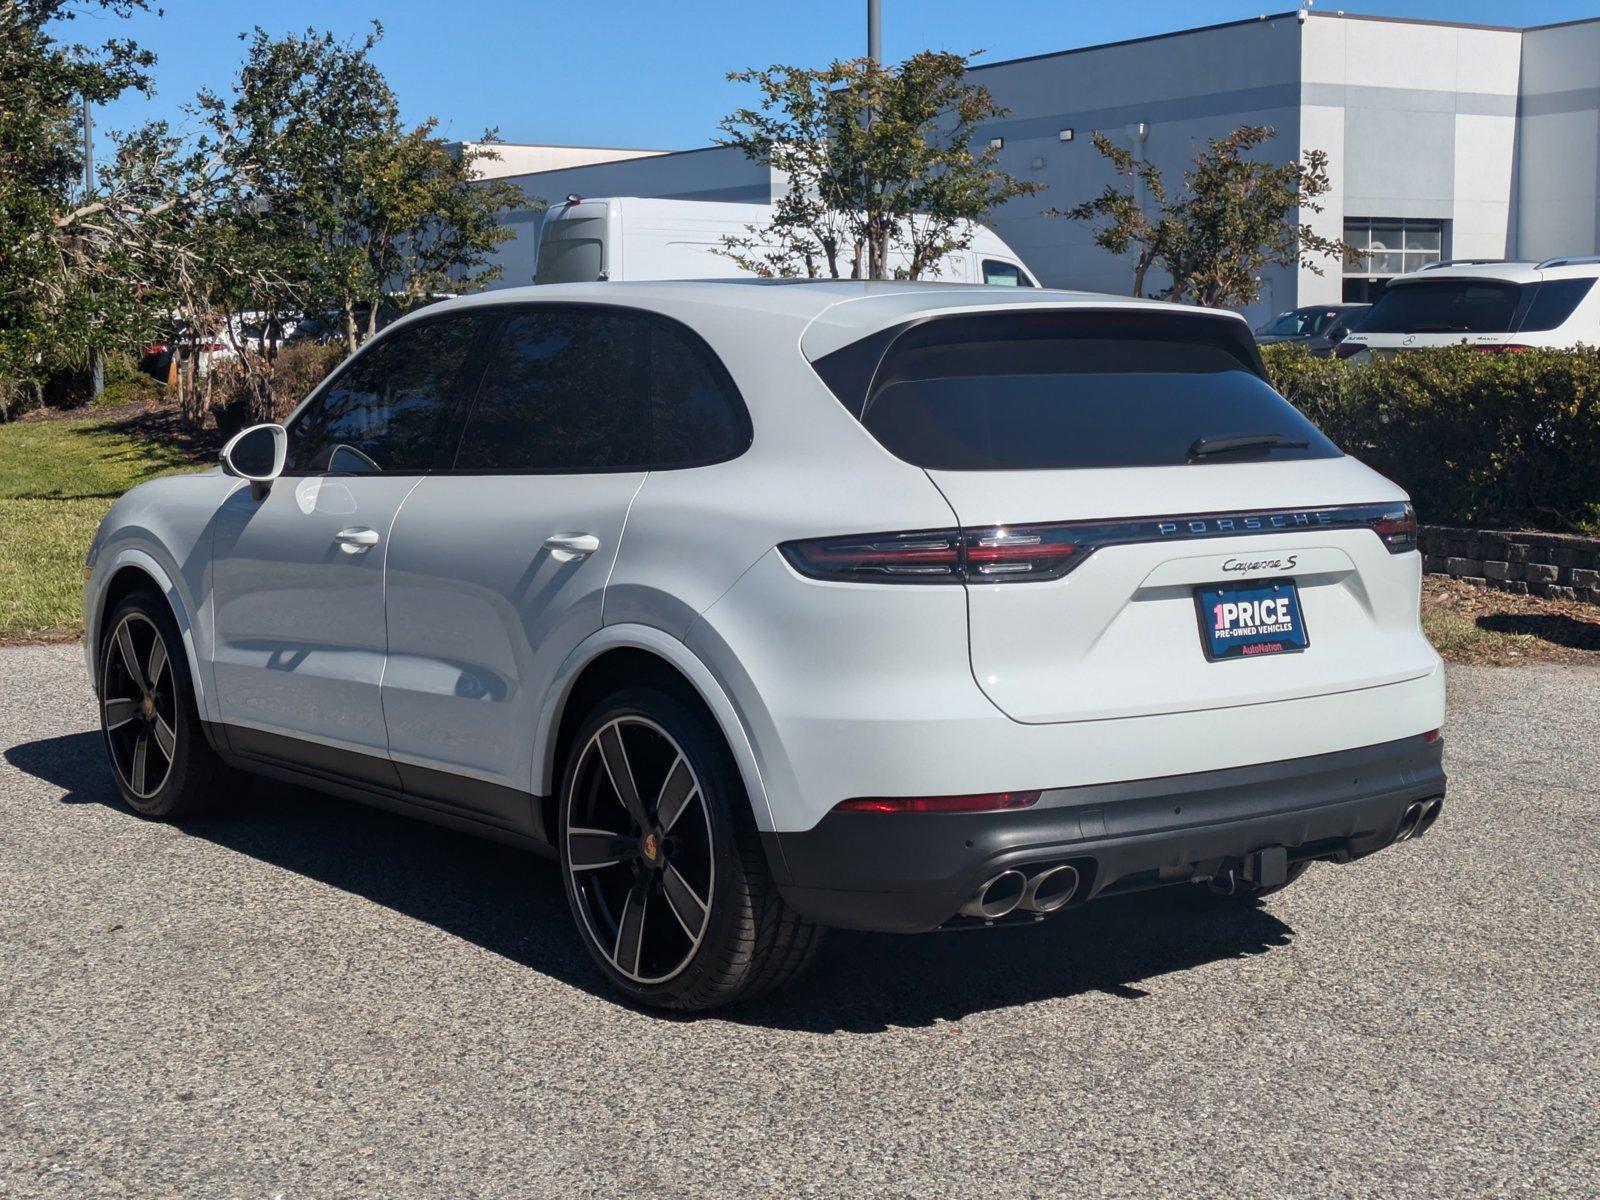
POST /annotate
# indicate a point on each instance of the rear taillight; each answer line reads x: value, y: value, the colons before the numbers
x: 1397, y: 528
x: 983, y: 802
x: 1000, y: 554
x: 1019, y: 553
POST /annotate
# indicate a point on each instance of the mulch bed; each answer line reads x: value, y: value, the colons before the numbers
x: 1522, y: 628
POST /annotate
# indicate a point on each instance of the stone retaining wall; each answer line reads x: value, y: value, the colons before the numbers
x: 1562, y: 565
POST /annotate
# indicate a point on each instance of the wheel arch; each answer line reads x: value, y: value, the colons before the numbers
x: 133, y: 570
x: 627, y: 654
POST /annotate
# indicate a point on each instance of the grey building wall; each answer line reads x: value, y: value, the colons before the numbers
x: 1494, y: 133
x: 1419, y: 120
x: 1558, y: 142
x: 1185, y: 88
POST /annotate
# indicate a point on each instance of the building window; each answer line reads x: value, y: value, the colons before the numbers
x: 1389, y: 246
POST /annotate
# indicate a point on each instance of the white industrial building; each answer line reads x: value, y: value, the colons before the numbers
x: 1444, y: 140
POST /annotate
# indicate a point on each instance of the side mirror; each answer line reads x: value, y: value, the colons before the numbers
x: 1338, y: 334
x: 257, y: 454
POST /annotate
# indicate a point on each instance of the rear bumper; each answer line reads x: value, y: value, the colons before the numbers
x: 909, y: 873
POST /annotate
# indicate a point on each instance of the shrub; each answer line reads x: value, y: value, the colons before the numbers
x: 1476, y: 439
x: 298, y: 368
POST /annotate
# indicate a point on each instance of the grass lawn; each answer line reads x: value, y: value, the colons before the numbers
x: 57, y: 479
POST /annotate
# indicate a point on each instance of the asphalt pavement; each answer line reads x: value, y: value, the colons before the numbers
x: 309, y: 999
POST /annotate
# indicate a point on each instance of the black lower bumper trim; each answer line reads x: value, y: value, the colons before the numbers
x: 910, y: 872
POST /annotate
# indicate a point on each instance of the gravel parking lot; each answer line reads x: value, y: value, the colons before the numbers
x: 310, y: 999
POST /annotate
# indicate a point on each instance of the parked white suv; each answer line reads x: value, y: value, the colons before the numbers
x: 1491, y: 306
x: 767, y: 607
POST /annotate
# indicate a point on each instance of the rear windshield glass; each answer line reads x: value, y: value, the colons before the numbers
x: 1056, y: 390
x: 1474, y: 306
x: 566, y: 257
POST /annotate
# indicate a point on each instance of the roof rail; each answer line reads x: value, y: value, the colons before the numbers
x: 1469, y: 262
x: 1570, y: 260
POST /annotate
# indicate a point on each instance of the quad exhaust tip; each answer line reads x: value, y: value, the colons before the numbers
x: 997, y: 897
x: 1041, y: 892
x: 1050, y: 889
x: 1419, y: 818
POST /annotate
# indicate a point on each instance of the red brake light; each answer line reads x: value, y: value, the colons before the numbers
x: 983, y: 802
x: 1433, y: 735
x: 995, y: 555
x: 1398, y: 529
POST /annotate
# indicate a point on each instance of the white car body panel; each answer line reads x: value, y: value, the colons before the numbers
x: 915, y: 722
x: 300, y: 637
x: 482, y: 616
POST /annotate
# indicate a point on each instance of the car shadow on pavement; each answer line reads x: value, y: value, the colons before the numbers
x: 511, y: 903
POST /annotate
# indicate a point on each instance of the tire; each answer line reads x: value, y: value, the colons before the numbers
x: 669, y: 887
x: 154, y: 728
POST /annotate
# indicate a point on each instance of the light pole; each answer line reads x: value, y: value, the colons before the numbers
x: 875, y: 30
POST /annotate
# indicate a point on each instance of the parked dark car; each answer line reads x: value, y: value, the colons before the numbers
x: 1318, y: 328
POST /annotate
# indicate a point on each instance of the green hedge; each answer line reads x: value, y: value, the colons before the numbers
x: 1492, y: 440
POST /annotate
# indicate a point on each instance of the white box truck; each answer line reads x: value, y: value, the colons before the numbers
x: 632, y: 237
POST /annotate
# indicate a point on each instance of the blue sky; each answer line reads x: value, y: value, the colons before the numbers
x: 651, y: 74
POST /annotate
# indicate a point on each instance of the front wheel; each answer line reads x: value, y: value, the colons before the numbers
x: 162, y: 763
x: 662, y: 863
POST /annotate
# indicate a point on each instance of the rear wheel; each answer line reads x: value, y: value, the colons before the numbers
x: 663, y: 867
x: 160, y: 759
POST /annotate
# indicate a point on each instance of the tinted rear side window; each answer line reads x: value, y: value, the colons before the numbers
x: 1047, y: 391
x: 387, y: 409
x: 1553, y: 302
x: 584, y: 390
x: 563, y: 391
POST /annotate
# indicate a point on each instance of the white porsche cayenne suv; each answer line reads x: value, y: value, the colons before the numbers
x: 766, y: 607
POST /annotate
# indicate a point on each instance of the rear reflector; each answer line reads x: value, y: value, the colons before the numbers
x: 983, y: 802
x: 1433, y: 735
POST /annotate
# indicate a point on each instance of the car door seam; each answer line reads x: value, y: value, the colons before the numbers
x: 383, y: 668
x: 616, y: 556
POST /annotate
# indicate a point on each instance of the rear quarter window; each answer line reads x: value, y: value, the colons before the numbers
x: 1554, y: 302
x: 1060, y: 390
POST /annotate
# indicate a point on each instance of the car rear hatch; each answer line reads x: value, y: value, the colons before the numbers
x: 1119, y: 474
x: 1436, y: 310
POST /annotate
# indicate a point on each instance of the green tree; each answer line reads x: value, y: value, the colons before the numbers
x: 876, y: 158
x: 64, y: 292
x: 423, y: 223
x: 1237, y: 216
x: 335, y: 198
